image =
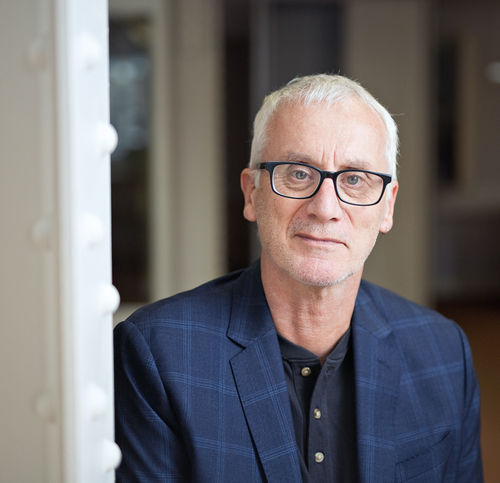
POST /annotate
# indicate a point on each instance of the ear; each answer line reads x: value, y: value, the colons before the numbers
x: 247, y: 182
x: 387, y: 221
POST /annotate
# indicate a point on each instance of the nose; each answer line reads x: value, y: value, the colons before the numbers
x: 325, y: 205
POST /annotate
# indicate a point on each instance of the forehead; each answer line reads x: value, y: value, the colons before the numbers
x: 343, y: 131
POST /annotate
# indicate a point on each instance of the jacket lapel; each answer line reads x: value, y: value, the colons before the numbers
x: 377, y: 373
x: 260, y: 380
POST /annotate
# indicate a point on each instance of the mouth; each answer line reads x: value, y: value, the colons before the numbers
x: 319, y: 241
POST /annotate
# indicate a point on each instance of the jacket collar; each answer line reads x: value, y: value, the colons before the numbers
x: 250, y: 314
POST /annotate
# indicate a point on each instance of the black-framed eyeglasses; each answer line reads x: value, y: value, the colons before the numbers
x: 300, y: 181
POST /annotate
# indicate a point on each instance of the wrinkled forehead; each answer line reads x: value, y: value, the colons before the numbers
x: 324, y: 120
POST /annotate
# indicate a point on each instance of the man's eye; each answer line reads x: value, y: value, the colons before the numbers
x: 353, y: 180
x: 299, y: 175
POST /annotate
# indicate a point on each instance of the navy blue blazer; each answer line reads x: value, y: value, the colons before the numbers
x: 201, y: 392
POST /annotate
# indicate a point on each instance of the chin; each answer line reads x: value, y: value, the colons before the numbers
x: 314, y: 276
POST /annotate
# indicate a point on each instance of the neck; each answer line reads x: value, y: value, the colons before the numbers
x: 312, y: 317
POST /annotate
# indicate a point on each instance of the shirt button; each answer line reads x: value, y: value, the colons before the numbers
x: 319, y: 457
x: 306, y: 371
x: 317, y: 414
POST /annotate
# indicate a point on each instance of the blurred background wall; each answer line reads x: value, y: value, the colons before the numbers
x: 186, y: 80
x: 188, y: 77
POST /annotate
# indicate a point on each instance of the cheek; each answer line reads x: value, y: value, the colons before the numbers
x: 266, y: 220
x: 273, y: 217
x: 366, y: 226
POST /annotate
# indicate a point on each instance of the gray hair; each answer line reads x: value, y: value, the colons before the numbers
x: 321, y: 88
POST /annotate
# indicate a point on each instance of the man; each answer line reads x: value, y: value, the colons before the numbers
x: 295, y: 369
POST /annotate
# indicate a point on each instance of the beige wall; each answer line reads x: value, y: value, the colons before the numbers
x: 197, y: 155
x: 386, y: 49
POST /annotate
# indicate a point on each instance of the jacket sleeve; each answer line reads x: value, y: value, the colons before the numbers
x: 145, y: 428
x: 470, y: 464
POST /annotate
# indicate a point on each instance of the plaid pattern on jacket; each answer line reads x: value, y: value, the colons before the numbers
x: 201, y: 393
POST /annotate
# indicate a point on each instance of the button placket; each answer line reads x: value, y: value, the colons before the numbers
x: 318, y: 465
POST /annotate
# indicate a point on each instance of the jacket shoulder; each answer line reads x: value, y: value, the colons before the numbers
x: 207, y: 303
x: 408, y: 320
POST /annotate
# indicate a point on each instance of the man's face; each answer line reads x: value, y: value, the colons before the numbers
x: 319, y: 241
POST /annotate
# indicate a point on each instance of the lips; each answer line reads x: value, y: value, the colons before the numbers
x: 316, y: 239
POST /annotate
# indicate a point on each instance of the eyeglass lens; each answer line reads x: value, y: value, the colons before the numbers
x: 298, y: 181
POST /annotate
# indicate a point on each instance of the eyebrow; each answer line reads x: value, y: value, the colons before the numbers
x: 299, y: 158
x: 348, y: 164
x: 356, y: 164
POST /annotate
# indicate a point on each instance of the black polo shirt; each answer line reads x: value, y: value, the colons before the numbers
x: 323, y: 409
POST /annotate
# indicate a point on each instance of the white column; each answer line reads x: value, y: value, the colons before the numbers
x: 55, y: 284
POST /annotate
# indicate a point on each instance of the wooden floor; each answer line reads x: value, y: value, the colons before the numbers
x: 481, y: 323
